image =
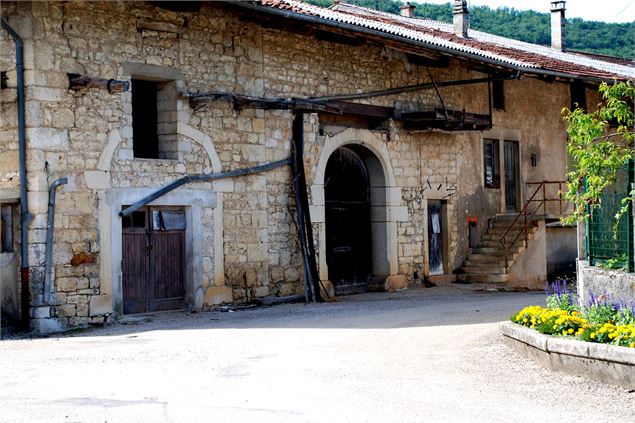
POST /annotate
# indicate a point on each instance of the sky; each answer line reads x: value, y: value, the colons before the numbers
x: 590, y: 10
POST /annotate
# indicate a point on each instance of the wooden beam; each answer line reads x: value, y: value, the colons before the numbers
x: 339, y: 38
x: 78, y: 82
x: 429, y: 62
x: 365, y: 110
x: 241, y: 101
x: 436, y: 119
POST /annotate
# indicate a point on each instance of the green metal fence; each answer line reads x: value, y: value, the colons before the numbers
x: 606, y: 245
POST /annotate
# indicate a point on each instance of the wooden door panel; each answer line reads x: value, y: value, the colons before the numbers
x: 135, y: 269
x: 168, y: 287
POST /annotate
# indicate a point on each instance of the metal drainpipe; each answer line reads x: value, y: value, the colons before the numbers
x: 25, y: 216
x: 50, y: 232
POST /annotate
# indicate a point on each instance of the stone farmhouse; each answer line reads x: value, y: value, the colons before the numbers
x: 180, y: 155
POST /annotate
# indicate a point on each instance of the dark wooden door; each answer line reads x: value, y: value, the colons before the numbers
x: 168, y: 253
x: 435, y: 237
x: 153, y: 262
x: 511, y: 176
x: 348, y: 229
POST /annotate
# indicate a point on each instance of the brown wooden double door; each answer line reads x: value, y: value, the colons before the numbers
x: 153, y: 260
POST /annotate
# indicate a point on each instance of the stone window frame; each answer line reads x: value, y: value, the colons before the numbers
x: 170, y: 110
x: 495, y: 163
x: 9, y: 202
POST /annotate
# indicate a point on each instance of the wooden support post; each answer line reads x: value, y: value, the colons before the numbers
x: 305, y: 230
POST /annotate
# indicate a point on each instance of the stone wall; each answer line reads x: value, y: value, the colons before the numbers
x: 250, y: 248
x: 614, y: 286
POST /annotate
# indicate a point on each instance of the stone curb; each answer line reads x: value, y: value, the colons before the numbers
x: 606, y: 363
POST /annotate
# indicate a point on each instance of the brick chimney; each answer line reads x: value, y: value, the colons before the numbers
x: 407, y: 10
x: 461, y: 18
x: 557, y: 25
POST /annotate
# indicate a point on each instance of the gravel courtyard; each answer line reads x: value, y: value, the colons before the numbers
x: 420, y: 355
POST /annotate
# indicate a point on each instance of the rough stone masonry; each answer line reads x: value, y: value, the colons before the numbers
x: 241, y: 239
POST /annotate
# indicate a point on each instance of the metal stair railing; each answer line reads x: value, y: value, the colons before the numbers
x: 528, y: 216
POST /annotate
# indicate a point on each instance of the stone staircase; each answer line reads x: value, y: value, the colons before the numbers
x: 486, y: 262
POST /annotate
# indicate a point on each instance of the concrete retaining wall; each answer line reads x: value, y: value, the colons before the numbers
x: 605, y: 363
x: 616, y: 286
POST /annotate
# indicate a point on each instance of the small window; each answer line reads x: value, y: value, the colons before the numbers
x: 491, y: 163
x: 578, y: 95
x: 136, y: 219
x: 498, y: 95
x: 154, y: 119
x: 3, y: 80
x: 6, y: 228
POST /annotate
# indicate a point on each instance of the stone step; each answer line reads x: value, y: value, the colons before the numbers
x: 515, y: 231
x: 497, y: 243
x: 483, y: 269
x: 509, y: 217
x: 489, y: 261
x: 441, y: 279
x: 499, y: 250
x: 472, y: 278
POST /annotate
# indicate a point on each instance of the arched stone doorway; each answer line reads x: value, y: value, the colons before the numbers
x: 385, y: 208
x: 355, y: 217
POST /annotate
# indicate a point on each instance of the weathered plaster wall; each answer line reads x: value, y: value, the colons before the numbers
x: 529, y: 270
x: 561, y: 249
x: 250, y: 248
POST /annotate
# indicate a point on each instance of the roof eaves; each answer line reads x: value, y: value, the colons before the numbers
x: 358, y: 27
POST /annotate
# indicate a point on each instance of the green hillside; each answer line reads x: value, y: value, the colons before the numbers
x: 612, y: 39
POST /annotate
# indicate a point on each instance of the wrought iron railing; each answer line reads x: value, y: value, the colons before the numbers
x: 527, y: 214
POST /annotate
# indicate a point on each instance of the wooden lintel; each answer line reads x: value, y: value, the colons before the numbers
x: 78, y: 82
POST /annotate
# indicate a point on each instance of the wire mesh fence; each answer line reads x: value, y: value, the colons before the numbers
x: 610, y: 243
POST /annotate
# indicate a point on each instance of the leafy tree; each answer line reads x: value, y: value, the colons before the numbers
x: 600, y: 144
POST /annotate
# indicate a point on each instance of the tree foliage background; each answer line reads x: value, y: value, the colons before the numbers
x: 600, y: 144
x: 613, y: 39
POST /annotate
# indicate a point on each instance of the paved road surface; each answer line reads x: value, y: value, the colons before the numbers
x: 413, y: 356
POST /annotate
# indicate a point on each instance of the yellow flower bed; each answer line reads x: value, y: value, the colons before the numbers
x: 564, y: 323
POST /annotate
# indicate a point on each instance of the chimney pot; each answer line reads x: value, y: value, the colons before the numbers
x: 557, y: 25
x: 461, y: 18
x: 407, y: 10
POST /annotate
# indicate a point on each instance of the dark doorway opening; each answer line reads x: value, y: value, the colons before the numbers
x: 348, y: 224
x: 153, y: 264
x: 435, y: 237
x: 511, y: 176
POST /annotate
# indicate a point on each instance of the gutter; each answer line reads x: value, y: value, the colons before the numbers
x: 50, y: 232
x: 286, y: 14
x: 25, y: 216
